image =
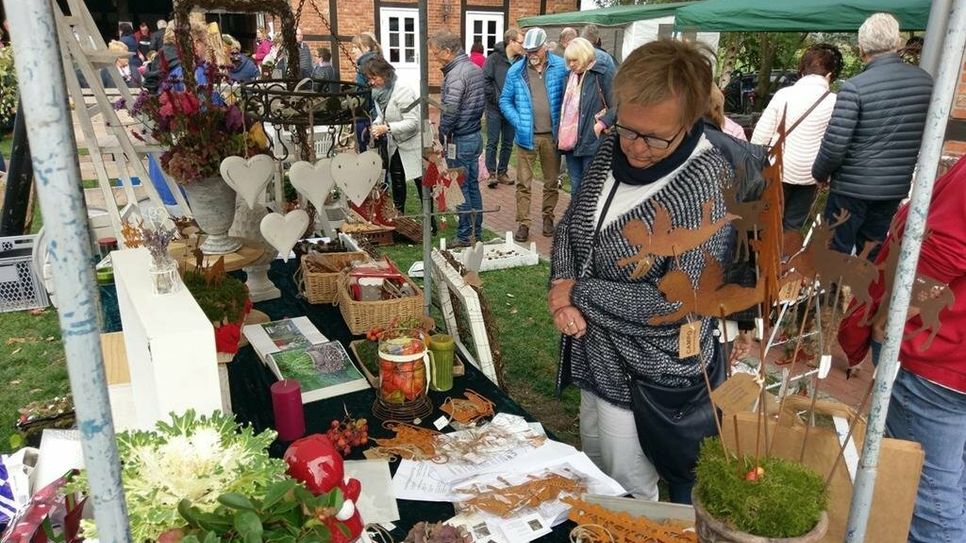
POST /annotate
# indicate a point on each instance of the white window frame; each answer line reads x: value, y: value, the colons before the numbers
x: 384, y: 15
x: 485, y: 17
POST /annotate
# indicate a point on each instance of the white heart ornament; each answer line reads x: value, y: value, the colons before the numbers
x: 248, y: 177
x: 314, y: 181
x: 284, y: 231
x: 357, y: 174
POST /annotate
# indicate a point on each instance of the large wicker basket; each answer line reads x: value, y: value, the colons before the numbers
x: 360, y: 317
x: 323, y: 287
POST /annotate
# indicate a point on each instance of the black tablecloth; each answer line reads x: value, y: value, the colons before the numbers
x: 251, y: 400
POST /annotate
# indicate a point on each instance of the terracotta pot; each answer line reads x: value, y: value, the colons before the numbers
x: 212, y: 203
x: 712, y: 530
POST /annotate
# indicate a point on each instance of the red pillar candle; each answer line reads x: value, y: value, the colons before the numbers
x: 287, y: 405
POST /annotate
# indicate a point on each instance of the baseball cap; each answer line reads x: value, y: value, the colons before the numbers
x: 534, y: 39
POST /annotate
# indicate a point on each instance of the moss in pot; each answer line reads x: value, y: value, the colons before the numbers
x: 737, y: 501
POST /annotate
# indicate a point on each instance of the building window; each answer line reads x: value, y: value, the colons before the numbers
x: 398, y: 30
x: 485, y: 27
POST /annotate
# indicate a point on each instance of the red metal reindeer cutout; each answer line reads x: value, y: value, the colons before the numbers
x: 663, y: 239
x: 747, y: 219
x: 711, y: 298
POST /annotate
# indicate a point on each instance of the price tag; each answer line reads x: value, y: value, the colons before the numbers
x: 789, y: 291
x: 440, y: 423
x: 824, y: 366
x: 738, y: 393
x: 689, y: 340
x: 451, y: 151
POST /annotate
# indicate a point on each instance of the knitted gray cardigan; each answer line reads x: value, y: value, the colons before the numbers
x: 617, y: 307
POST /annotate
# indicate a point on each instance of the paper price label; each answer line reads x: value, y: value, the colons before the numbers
x: 738, y: 393
x: 451, y: 151
x: 689, y: 340
x: 824, y: 366
x: 789, y: 291
x: 440, y: 423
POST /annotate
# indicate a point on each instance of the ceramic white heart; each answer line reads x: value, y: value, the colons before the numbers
x: 248, y: 177
x: 284, y: 231
x: 314, y: 181
x: 357, y: 174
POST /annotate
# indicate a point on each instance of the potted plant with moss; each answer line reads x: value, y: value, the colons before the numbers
x: 224, y: 300
x: 739, y: 500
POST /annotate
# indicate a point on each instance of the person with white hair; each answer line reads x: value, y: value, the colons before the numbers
x: 870, y: 147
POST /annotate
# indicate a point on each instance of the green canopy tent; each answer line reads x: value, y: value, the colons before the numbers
x: 622, y: 28
x: 797, y: 15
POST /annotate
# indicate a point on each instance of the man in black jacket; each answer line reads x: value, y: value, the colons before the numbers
x: 872, y: 141
x: 504, y: 54
x: 157, y: 37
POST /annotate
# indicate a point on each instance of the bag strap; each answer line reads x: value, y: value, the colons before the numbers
x: 802, y: 118
x: 600, y: 91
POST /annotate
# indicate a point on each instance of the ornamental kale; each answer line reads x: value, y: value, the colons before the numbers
x: 195, y: 458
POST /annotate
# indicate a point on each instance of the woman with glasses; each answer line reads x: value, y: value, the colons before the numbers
x: 584, y: 113
x: 656, y: 162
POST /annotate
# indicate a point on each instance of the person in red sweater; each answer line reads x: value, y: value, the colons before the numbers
x: 476, y: 54
x: 928, y: 403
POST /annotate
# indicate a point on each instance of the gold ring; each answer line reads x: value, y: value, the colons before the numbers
x: 571, y: 323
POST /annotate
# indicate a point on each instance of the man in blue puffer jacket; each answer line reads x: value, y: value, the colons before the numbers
x: 872, y: 141
x: 531, y: 103
x: 463, y: 98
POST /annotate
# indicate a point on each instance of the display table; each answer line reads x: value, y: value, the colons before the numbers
x: 250, y: 381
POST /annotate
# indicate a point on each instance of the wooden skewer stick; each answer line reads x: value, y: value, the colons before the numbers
x: 798, y: 346
x: 825, y: 350
x: 852, y: 424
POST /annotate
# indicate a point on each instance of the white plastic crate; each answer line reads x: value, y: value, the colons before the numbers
x: 20, y: 286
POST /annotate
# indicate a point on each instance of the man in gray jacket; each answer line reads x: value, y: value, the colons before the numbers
x: 463, y: 99
x: 872, y: 141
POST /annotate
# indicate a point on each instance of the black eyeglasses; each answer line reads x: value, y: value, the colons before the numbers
x: 653, y: 142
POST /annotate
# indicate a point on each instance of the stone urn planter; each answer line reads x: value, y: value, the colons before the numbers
x: 212, y: 203
x: 713, y: 530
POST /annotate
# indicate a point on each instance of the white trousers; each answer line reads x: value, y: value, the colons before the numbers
x: 608, y: 436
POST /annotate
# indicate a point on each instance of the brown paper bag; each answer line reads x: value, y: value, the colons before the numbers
x: 900, y: 464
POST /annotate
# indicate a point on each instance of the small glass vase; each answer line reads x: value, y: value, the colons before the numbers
x: 164, y: 276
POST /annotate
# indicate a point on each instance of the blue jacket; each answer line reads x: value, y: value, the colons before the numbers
x: 872, y: 140
x: 364, y: 83
x: 596, y: 93
x: 463, y: 97
x: 515, y: 100
x: 245, y: 71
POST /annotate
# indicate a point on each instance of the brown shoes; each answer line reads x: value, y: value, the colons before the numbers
x: 523, y: 233
x: 548, y: 227
x: 492, y: 181
x: 503, y: 178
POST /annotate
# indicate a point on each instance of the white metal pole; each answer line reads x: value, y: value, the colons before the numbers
x: 932, y: 46
x: 57, y: 174
x: 946, y: 79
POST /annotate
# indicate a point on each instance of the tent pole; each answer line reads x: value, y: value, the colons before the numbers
x: 54, y: 151
x: 935, y: 31
x: 427, y: 199
x: 946, y: 79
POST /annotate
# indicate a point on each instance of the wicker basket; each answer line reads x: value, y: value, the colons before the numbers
x: 323, y: 287
x: 360, y: 317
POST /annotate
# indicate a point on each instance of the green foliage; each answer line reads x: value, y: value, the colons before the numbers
x: 785, y: 501
x: 9, y: 94
x: 287, y: 512
x: 223, y: 302
x: 195, y: 458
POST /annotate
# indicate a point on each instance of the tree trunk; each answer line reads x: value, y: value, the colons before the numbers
x: 729, y: 56
x: 768, y: 48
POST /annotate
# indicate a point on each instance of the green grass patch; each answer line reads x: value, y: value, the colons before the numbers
x: 32, y: 365
x: 786, y: 500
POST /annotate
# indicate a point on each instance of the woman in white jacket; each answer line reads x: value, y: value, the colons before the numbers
x: 397, y: 121
x: 807, y: 106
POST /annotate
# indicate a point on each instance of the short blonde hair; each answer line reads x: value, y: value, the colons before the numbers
x: 663, y: 69
x: 117, y: 47
x: 582, y: 51
x: 879, y: 34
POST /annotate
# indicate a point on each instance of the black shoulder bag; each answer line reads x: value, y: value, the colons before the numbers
x: 671, y: 422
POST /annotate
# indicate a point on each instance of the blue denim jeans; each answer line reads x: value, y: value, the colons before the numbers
x: 468, y: 149
x: 876, y: 348
x: 577, y: 166
x: 868, y: 221
x: 497, y: 129
x: 935, y: 417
